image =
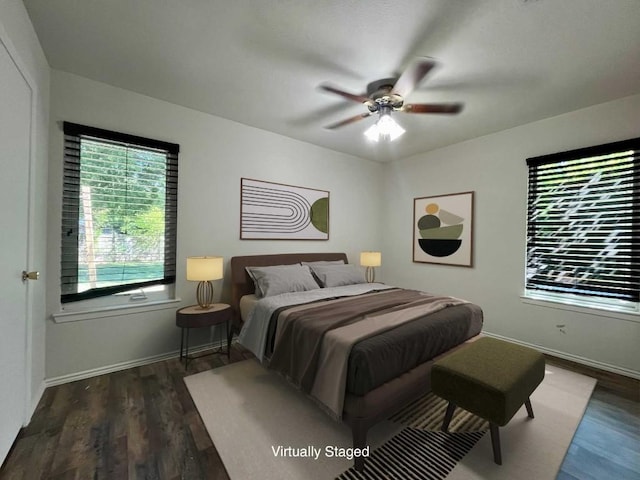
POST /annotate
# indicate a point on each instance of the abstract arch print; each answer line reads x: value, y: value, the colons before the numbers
x: 286, y: 212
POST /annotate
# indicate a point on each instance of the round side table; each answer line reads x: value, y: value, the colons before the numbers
x: 194, y: 316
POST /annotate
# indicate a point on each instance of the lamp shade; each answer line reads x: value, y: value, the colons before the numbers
x: 203, y: 269
x: 370, y: 259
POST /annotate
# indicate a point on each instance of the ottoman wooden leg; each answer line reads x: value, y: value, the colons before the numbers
x: 527, y: 404
x: 495, y: 443
x: 448, y: 416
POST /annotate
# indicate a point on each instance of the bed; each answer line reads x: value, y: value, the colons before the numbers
x: 385, y: 368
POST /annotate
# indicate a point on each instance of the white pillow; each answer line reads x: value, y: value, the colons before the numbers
x: 323, y: 262
x: 338, y: 275
x: 279, y: 279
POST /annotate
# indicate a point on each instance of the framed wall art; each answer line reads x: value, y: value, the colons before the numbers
x: 275, y: 211
x: 443, y: 229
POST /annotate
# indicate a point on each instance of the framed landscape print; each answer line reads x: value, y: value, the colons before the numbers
x: 443, y: 229
x: 274, y: 211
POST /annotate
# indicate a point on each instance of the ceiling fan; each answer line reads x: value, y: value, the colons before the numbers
x: 388, y: 95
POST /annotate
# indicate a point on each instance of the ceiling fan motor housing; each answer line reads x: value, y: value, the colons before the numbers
x: 380, y: 94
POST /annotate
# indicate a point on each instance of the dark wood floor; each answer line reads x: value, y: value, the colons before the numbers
x: 135, y: 424
x: 142, y: 424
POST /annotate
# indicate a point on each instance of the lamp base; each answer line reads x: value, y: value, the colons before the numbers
x: 370, y: 274
x: 204, y: 294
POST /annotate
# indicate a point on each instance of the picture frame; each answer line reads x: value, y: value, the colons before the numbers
x: 443, y: 229
x: 277, y: 211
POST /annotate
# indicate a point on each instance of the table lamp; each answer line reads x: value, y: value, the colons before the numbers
x: 370, y: 260
x: 203, y: 270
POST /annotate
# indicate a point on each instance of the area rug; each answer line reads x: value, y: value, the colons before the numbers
x: 264, y: 428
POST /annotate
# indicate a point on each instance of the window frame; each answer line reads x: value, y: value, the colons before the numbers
x: 73, y: 135
x: 577, y: 299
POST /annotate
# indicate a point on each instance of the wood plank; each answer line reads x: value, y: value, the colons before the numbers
x: 137, y: 442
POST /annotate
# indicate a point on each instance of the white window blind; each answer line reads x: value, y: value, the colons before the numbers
x: 583, y: 222
x: 119, y: 213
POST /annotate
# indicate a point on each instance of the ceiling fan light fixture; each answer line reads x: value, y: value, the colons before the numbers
x: 372, y: 133
x: 385, y: 128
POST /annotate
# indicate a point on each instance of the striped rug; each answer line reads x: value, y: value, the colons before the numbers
x: 427, y: 412
x: 421, y: 450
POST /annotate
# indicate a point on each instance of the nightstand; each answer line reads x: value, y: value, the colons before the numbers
x: 197, y: 317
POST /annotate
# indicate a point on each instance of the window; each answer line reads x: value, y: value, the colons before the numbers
x: 118, y: 214
x: 583, y: 226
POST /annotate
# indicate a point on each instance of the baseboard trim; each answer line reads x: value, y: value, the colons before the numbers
x: 568, y: 356
x: 96, y: 372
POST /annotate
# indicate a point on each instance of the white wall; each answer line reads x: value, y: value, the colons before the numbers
x: 214, y: 154
x: 16, y: 24
x: 494, y: 167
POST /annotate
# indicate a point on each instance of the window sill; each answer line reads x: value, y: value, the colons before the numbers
x: 114, y: 311
x: 590, y: 310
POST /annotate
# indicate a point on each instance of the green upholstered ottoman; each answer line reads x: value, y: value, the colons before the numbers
x: 490, y: 378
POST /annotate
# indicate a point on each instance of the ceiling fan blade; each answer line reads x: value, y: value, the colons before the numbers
x: 347, y: 95
x: 412, y: 76
x: 353, y: 119
x: 451, y: 108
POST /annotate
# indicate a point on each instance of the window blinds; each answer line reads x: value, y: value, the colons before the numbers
x: 119, y: 212
x: 583, y: 219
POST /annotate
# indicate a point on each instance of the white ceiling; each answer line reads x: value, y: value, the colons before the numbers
x: 259, y: 62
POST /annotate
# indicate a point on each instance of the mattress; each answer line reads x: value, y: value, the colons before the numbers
x: 247, y: 304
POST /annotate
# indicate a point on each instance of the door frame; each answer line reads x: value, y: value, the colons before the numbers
x: 28, y: 406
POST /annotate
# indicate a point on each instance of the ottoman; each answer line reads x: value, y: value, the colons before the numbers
x: 490, y: 378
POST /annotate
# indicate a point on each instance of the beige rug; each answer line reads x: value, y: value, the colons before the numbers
x: 249, y: 412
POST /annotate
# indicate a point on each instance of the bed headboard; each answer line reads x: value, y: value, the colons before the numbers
x: 241, y: 283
